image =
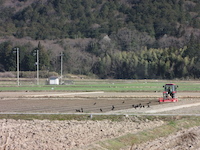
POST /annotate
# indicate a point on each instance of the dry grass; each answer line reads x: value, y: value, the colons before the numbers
x: 173, y: 125
x: 187, y: 137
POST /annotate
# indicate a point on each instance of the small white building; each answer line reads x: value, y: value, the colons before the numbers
x: 54, y: 80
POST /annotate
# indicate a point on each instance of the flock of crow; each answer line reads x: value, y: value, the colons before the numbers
x: 140, y: 105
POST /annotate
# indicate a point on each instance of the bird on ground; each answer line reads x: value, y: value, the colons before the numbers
x: 101, y: 110
x: 123, y: 102
x: 149, y: 102
x: 140, y: 105
x: 113, y: 107
x: 136, y: 106
x: 81, y: 109
x: 77, y: 110
x: 95, y: 103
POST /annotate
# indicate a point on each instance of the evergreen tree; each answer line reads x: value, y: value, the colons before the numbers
x: 7, y: 56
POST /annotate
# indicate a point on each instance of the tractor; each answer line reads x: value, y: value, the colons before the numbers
x: 169, y: 93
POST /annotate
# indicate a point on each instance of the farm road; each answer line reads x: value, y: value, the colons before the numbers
x: 93, y: 94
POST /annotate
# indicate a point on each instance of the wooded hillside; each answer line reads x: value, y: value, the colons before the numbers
x: 123, y: 39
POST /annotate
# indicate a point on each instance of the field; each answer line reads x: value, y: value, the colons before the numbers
x: 97, y: 85
x: 98, y: 114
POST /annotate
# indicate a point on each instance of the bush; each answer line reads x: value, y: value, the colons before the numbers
x: 7, y: 75
x: 32, y: 74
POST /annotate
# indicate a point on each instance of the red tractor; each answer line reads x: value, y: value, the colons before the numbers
x: 169, y: 93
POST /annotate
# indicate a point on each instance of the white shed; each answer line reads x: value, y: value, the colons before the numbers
x: 54, y: 80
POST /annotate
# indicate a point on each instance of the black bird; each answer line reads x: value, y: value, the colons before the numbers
x: 133, y: 105
x: 149, y: 103
x: 95, y: 103
x: 123, y: 102
x: 81, y: 109
x: 113, y: 107
x: 101, y: 110
x: 77, y: 110
x: 136, y: 106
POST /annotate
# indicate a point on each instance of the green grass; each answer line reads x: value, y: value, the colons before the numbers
x: 107, y: 86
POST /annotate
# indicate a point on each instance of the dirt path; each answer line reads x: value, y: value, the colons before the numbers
x: 172, y: 108
x: 94, y: 94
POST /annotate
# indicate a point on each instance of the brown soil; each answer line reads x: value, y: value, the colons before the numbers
x: 62, y: 135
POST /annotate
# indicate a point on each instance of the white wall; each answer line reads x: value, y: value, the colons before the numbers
x: 54, y: 81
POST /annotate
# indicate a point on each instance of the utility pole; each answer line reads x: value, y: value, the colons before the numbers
x: 61, y: 66
x: 16, y: 50
x: 37, y: 63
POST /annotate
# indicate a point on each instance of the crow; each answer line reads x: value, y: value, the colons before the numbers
x: 123, y: 102
x: 136, y: 106
x: 95, y: 103
x: 77, y: 110
x: 149, y: 103
x: 101, y: 110
x: 113, y: 107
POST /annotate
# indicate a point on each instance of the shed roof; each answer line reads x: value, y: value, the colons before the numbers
x: 53, y: 77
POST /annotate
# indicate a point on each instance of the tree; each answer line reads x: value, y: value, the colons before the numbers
x: 43, y: 57
x: 7, y: 56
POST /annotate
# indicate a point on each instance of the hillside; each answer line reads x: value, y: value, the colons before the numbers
x: 97, y: 35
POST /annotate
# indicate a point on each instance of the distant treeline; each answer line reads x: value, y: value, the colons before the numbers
x: 58, y: 19
x: 168, y: 63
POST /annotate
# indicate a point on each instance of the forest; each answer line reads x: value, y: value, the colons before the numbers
x: 125, y: 39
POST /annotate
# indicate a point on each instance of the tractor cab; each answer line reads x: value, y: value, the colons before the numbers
x: 169, y: 93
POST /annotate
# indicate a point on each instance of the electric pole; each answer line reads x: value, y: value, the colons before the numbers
x: 61, y: 66
x: 16, y: 50
x: 37, y: 63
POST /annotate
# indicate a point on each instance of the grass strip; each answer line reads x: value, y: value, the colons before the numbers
x: 105, y: 85
x: 61, y: 117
